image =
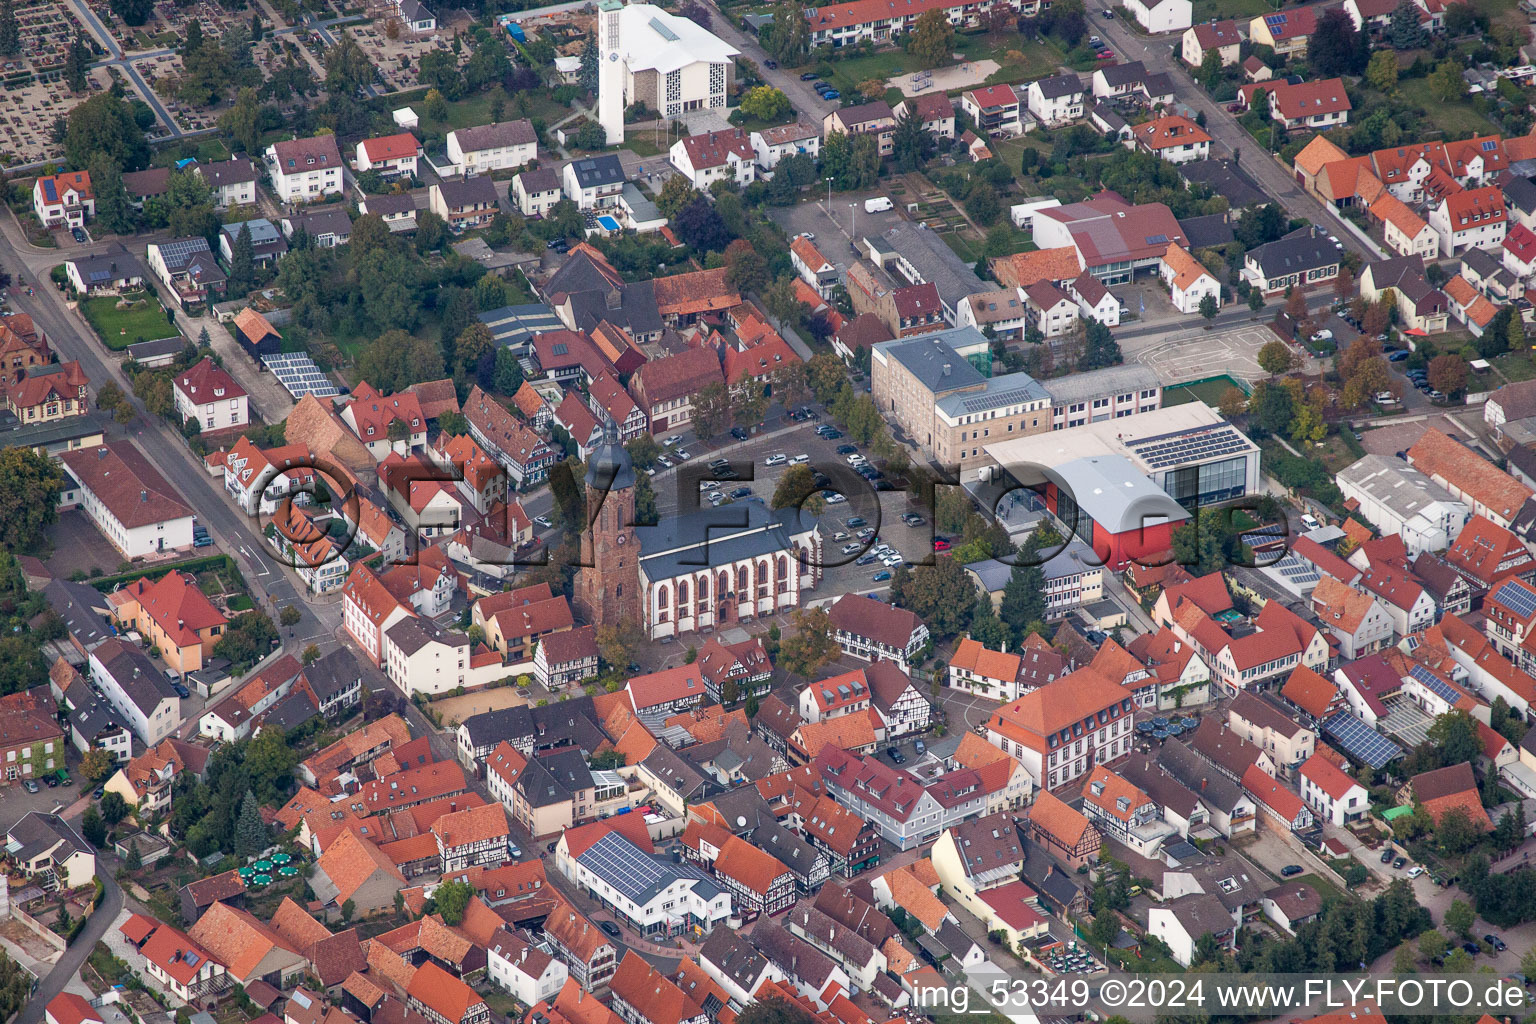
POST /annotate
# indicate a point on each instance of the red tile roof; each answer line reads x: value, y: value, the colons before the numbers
x: 441, y: 992
x: 391, y: 147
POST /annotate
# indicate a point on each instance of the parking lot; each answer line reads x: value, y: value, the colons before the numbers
x: 880, y: 511
x: 836, y: 226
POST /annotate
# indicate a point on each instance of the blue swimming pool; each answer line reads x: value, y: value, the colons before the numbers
x: 608, y: 223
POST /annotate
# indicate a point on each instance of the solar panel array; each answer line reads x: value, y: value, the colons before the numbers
x: 1360, y: 741
x: 1439, y: 687
x: 1010, y: 397
x: 1516, y: 597
x: 1296, y: 571
x: 1194, y: 446
x: 628, y: 868
x: 299, y: 374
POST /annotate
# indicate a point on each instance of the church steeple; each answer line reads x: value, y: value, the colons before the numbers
x: 607, y: 588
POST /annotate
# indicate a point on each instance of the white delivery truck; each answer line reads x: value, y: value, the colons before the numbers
x: 879, y: 204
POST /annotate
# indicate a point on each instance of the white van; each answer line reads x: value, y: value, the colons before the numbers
x: 879, y: 204
x: 799, y: 460
x: 775, y: 460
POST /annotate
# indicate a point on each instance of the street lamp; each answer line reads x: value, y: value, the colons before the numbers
x: 853, y: 219
x: 829, y: 194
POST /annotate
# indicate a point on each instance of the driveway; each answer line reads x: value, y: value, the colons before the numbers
x: 74, y: 957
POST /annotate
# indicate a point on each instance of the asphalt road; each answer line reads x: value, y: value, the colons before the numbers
x: 75, y: 956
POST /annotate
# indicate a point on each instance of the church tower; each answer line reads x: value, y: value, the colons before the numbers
x: 607, y: 586
x: 610, y: 71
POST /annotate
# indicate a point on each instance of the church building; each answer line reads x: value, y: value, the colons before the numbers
x: 706, y: 569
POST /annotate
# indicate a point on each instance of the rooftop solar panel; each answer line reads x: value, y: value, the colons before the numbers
x: 1435, y: 684
x: 1360, y: 741
x: 1517, y: 597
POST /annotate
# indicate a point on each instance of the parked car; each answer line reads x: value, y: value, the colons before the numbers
x: 849, y: 549
x: 181, y: 690
x: 1399, y: 356
x: 895, y: 755
x: 808, y: 76
x: 856, y: 521
x: 913, y: 519
x: 611, y: 928
x: 847, y: 449
x: 742, y: 492
x: 869, y: 558
x: 1497, y: 943
x: 771, y: 65
x: 1290, y: 870
x: 831, y: 94
x: 941, y: 545
x: 1386, y: 855
x: 832, y: 434
x: 1106, y: 55
x: 543, y: 521
x: 799, y: 460
x: 78, y: 235
x: 50, y: 781
x: 832, y: 498
x: 681, y: 453
x: 671, y: 440
x: 1471, y: 948
x: 202, y: 541
x: 99, y: 792
x: 29, y: 786
x: 866, y: 533
x: 920, y: 746
x: 882, y: 575
x: 664, y: 462
x: 1399, y: 862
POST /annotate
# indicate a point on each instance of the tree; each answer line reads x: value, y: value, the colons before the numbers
x: 982, y: 204
x: 810, y: 646
x: 251, y: 834
x: 1100, y: 350
x: 1432, y: 945
x: 113, y: 807
x: 1232, y: 403
x: 1208, y: 306
x: 711, y: 411
x: 133, y: 12
x: 569, y: 498
x: 1446, y: 81
x: 396, y: 359
x: 452, y: 900
x: 104, y: 124
x: 910, y: 144
x: 1258, y: 225
x: 587, y: 76
x: 676, y: 193
x: 1448, y: 373
x: 590, y: 136
x: 475, y: 341
x: 1405, y: 30
x: 616, y: 640
x: 29, y: 492
x: 1460, y: 917
x: 1455, y: 736
x: 765, y: 103
x: 97, y: 764
x: 437, y: 106
x: 746, y: 269
x: 10, y: 31
x: 1255, y: 300
x: 311, y: 655
x: 789, y: 37
x: 78, y: 64
x: 941, y: 594
x: 93, y: 828
x: 797, y: 489
x: 1272, y: 407
x: 242, y: 263
x: 1336, y: 46
x: 932, y: 39
x: 347, y: 67
x: 699, y: 226
x: 1275, y: 358
x: 1381, y: 72
x: 774, y: 1010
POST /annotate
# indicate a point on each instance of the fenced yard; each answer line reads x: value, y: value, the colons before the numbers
x: 128, y: 320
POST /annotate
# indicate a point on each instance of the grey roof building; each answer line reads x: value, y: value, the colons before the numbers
x: 84, y: 610
x: 555, y: 778
x: 1107, y: 382
x: 920, y: 255
x: 1212, y: 229
x: 597, y: 171
x: 514, y: 326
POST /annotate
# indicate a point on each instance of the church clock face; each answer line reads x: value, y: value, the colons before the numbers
x: 623, y: 538
x: 613, y: 56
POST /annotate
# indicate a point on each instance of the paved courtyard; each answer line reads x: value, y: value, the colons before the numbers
x: 1197, y: 353
x: 960, y: 76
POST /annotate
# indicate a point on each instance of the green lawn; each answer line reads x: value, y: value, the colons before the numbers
x: 119, y: 328
x: 1040, y: 58
x: 1457, y: 118
x: 1207, y: 391
x: 1242, y: 10
x: 476, y: 109
x: 1515, y: 366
